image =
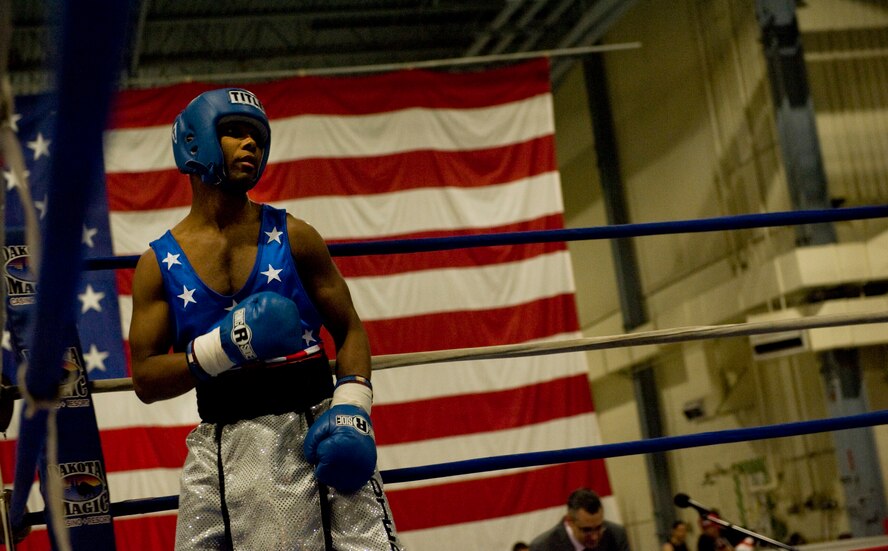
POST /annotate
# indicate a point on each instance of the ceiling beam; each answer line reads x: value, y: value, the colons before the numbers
x: 348, y: 15
x: 138, y: 32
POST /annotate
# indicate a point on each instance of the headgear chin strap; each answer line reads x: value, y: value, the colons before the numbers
x: 196, y: 139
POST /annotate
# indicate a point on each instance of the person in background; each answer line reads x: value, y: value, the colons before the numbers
x: 677, y: 537
x: 711, y: 538
x: 583, y: 528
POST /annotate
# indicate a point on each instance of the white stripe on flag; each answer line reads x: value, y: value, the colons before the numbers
x: 120, y: 410
x: 485, y: 534
x: 460, y: 289
x: 312, y: 136
x: 422, y: 382
x: 144, y: 484
x: 132, y: 231
x: 424, y: 209
x: 550, y: 435
x: 404, y: 212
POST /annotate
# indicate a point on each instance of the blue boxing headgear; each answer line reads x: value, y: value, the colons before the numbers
x: 196, y: 139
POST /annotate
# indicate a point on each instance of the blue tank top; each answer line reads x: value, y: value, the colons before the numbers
x: 196, y: 308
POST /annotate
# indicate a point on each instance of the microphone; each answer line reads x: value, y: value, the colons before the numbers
x: 684, y: 501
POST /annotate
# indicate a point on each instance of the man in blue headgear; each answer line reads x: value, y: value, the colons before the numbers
x: 283, y: 458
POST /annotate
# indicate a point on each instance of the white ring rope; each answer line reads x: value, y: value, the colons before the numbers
x: 659, y: 336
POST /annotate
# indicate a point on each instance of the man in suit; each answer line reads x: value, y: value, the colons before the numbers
x: 583, y: 528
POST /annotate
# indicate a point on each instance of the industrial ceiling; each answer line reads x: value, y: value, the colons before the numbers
x: 173, y: 40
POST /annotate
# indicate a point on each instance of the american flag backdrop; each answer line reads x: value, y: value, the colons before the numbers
x: 405, y: 154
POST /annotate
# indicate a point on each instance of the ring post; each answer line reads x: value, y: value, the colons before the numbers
x: 91, y: 37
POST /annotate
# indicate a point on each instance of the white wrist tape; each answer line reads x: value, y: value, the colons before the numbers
x: 354, y: 394
x: 210, y: 355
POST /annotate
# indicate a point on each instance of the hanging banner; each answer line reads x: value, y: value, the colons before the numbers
x: 79, y: 466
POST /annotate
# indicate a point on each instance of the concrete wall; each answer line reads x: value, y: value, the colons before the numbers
x: 696, y: 138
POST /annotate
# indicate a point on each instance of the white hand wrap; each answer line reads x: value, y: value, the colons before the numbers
x: 210, y: 355
x: 355, y: 394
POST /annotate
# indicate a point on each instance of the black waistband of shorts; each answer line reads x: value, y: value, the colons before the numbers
x: 249, y: 393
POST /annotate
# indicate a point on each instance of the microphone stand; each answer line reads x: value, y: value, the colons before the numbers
x: 754, y: 535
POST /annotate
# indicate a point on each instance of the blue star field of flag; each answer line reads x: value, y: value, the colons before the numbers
x: 99, y: 312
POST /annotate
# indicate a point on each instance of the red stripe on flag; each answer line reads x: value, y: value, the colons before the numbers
x: 349, y: 176
x: 124, y: 282
x: 481, y: 412
x: 38, y: 540
x: 458, y: 502
x: 507, y: 325
x: 349, y: 95
x: 158, y: 448
x: 135, y: 191
x: 7, y: 456
x: 153, y: 532
x: 127, y: 356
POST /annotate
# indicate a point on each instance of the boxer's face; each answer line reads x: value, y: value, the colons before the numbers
x: 242, y: 149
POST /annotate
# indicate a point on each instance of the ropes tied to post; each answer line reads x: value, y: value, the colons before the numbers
x: 11, y: 153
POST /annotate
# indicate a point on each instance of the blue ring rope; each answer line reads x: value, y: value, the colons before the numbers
x: 651, y: 445
x: 737, y: 222
x: 532, y: 459
x: 121, y: 508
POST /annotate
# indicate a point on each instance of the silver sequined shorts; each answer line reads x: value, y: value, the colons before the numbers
x: 271, y: 498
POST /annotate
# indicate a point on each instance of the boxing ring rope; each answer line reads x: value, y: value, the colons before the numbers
x: 428, y: 244
x: 651, y: 445
x: 662, y: 336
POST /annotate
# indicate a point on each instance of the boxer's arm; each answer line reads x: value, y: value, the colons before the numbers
x: 157, y: 374
x: 340, y: 443
x: 330, y: 295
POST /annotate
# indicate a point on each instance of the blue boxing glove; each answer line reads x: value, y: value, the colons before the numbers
x: 340, y: 442
x: 264, y: 326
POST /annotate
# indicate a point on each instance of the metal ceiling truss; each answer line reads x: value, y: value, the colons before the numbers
x: 176, y: 41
